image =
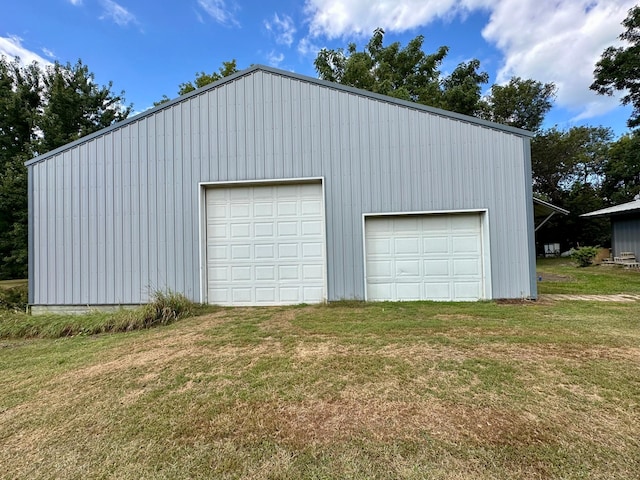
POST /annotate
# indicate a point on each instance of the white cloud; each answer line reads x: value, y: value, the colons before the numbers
x: 75, y: 2
x: 551, y: 41
x: 11, y: 47
x: 49, y: 53
x: 560, y: 44
x: 117, y: 13
x: 218, y: 10
x: 275, y: 59
x: 306, y: 47
x: 282, y: 27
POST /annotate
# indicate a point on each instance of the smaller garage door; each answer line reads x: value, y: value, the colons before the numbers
x: 424, y: 257
x: 265, y: 245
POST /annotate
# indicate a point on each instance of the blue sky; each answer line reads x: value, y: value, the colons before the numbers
x: 147, y: 48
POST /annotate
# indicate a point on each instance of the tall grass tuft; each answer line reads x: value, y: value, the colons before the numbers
x: 163, y: 309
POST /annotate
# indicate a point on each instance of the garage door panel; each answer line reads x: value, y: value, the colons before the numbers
x: 312, y: 251
x: 466, y: 291
x: 240, y: 230
x: 312, y: 228
x: 377, y: 269
x: 263, y: 229
x: 436, y: 268
x: 407, y: 268
x: 435, y: 245
x: 406, y: 246
x: 465, y: 244
x: 312, y: 272
x: 288, y: 250
x: 265, y: 273
x: 464, y: 222
x: 430, y: 257
x: 378, y: 246
x: 438, y: 291
x: 240, y: 252
x: 262, y: 209
x: 470, y: 267
x: 241, y: 273
x: 265, y: 295
x: 380, y: 290
x: 218, y: 273
x: 287, y: 209
x: 289, y: 272
x: 311, y: 294
x: 265, y: 245
x: 239, y: 210
x: 408, y: 291
x: 264, y: 252
x: 311, y: 207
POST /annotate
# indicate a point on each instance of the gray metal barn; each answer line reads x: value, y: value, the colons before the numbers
x: 625, y: 226
x: 269, y: 187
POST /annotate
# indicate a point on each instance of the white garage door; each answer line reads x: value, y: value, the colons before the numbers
x: 424, y: 257
x: 265, y: 245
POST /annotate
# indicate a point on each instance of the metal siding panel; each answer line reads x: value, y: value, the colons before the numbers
x: 75, y: 227
x: 109, y: 221
x: 259, y: 126
x: 58, y: 251
x: 117, y: 269
x: 96, y: 215
x: 625, y: 235
x: 30, y: 234
x: 131, y: 213
x: 221, y: 134
x: 165, y: 216
x: 140, y: 164
x: 64, y: 289
x: 156, y: 163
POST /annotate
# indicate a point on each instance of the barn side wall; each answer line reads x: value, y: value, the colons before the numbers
x: 625, y: 234
x: 116, y: 216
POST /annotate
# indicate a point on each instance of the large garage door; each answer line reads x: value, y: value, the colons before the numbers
x: 424, y: 257
x: 265, y: 245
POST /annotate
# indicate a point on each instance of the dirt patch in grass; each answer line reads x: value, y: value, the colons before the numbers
x: 554, y: 277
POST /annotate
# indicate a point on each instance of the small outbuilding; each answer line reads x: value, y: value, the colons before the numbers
x: 625, y: 226
x: 269, y: 187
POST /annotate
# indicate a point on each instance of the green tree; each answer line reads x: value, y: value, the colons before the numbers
x: 406, y: 73
x: 20, y: 105
x: 621, y: 171
x: 619, y: 67
x: 75, y: 105
x: 41, y: 109
x: 561, y: 159
x: 521, y: 103
x: 202, y: 79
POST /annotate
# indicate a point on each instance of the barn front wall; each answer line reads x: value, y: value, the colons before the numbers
x: 118, y: 215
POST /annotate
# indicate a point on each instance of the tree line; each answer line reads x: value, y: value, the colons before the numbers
x: 580, y: 169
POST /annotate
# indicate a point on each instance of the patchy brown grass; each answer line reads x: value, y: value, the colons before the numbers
x: 371, y: 391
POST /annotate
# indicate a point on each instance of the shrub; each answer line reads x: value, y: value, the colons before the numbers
x: 14, y: 298
x: 584, y: 255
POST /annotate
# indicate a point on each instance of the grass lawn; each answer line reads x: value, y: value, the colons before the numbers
x: 560, y: 275
x: 346, y: 390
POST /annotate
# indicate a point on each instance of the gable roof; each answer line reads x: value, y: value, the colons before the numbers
x: 262, y: 68
x: 629, y: 207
